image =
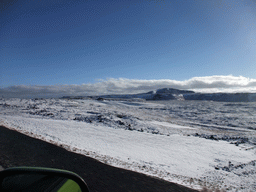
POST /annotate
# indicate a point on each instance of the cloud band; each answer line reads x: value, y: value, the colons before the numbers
x: 208, y: 84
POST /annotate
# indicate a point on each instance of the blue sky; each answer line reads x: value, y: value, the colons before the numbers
x: 60, y: 42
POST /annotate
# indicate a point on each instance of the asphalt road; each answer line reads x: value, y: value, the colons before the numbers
x: 17, y: 149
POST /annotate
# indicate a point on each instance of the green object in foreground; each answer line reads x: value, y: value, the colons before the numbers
x: 70, y: 186
x: 40, y: 179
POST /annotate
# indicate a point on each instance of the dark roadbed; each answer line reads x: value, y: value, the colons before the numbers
x: 17, y: 149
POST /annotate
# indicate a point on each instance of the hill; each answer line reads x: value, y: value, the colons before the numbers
x: 177, y: 94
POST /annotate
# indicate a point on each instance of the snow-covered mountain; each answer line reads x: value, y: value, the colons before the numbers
x: 227, y: 97
x: 176, y: 94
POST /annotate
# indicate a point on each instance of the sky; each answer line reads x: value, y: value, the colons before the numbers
x: 81, y: 47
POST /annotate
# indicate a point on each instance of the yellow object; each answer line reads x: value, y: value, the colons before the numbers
x: 70, y: 186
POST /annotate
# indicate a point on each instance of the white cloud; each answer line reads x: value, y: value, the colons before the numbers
x: 128, y: 86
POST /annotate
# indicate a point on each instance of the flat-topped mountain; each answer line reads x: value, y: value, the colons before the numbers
x: 177, y: 94
x: 172, y: 91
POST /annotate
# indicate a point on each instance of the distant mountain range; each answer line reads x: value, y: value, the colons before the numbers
x: 176, y: 94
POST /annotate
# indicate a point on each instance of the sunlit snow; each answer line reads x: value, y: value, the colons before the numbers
x: 196, y: 144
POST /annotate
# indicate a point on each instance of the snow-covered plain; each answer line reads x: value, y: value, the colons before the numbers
x: 194, y: 143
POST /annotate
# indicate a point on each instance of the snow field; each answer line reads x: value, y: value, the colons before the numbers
x: 143, y: 137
